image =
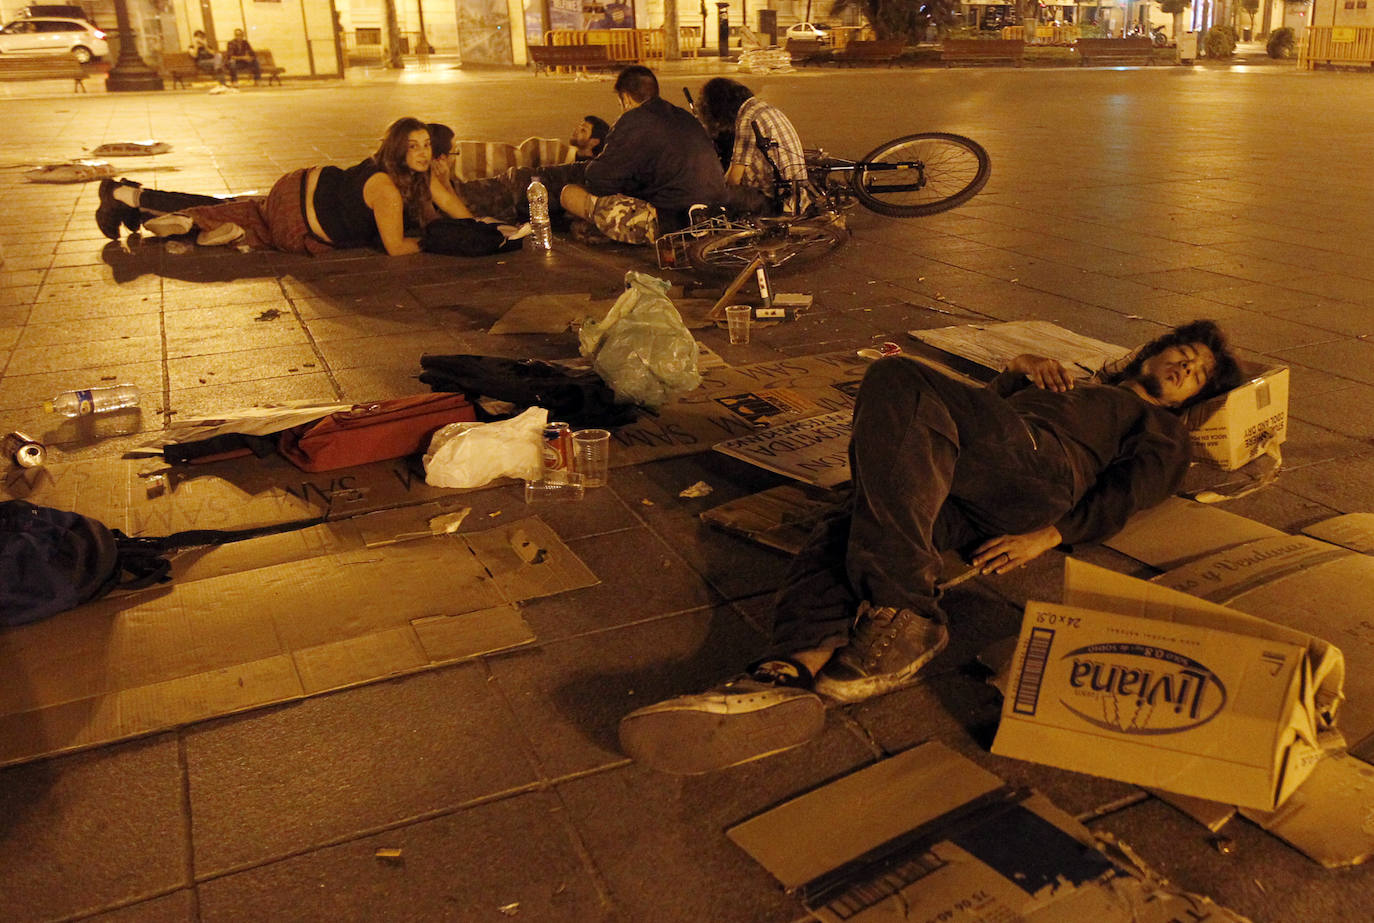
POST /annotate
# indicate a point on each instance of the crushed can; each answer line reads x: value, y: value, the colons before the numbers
x: 26, y: 451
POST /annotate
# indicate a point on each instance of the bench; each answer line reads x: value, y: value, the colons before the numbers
x: 1115, y: 51
x: 579, y: 57
x: 872, y: 52
x: 181, y: 69
x: 806, y: 50
x: 43, y: 67
x: 982, y: 51
x: 269, y: 68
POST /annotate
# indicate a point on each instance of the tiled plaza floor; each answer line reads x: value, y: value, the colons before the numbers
x: 1121, y: 201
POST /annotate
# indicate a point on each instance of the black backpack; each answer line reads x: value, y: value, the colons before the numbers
x: 52, y: 560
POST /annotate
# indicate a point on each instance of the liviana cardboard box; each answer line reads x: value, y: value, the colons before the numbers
x: 1238, y: 426
x: 1135, y: 681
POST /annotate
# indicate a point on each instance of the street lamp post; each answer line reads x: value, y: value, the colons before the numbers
x: 129, y: 71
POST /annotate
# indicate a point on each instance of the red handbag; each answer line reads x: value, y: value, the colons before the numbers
x: 373, y: 432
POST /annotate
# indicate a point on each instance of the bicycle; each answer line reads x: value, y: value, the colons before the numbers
x: 907, y: 177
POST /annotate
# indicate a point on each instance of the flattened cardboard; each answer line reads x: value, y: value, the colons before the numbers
x: 1179, y: 530
x: 1328, y: 818
x: 303, y: 617
x: 1308, y: 585
x: 992, y: 346
x: 779, y: 517
x: 549, y: 313
x: 1133, y: 681
x: 928, y: 835
x: 814, y: 450
x: 1352, y: 530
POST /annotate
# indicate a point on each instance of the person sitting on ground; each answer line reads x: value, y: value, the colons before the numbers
x: 588, y: 136
x: 656, y: 163
x: 728, y: 106
x: 1002, y: 474
x: 503, y: 196
x: 207, y: 59
x: 239, y: 55
x: 383, y: 199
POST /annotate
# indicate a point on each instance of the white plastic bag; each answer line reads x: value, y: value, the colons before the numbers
x: 473, y: 454
x: 642, y: 349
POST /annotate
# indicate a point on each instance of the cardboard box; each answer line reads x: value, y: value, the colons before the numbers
x: 1134, y: 681
x: 1236, y: 427
x: 928, y: 835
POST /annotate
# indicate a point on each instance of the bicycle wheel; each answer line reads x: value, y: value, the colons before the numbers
x: 921, y: 174
x: 784, y: 247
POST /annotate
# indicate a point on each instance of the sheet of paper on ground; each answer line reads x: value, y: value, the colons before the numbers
x: 1135, y: 681
x: 929, y: 835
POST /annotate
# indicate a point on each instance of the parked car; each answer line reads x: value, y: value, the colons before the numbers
x: 49, y: 35
x: 805, y: 31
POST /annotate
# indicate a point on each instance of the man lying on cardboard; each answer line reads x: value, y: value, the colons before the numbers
x: 1002, y: 473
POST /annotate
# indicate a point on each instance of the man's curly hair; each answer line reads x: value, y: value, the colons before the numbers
x: 1224, y: 377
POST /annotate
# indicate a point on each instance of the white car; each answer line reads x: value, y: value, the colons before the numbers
x: 49, y: 35
x: 805, y: 31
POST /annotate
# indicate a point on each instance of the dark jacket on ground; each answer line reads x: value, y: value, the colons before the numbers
x: 661, y: 154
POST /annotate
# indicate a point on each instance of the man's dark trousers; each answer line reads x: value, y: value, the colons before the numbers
x: 936, y: 464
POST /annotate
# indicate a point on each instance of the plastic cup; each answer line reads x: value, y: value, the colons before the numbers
x: 737, y: 317
x: 591, y: 456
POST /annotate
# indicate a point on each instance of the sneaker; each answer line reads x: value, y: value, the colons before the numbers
x: 888, y: 647
x: 736, y: 722
x: 222, y: 236
x: 171, y: 225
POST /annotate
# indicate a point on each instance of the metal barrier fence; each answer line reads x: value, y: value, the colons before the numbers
x: 1352, y: 45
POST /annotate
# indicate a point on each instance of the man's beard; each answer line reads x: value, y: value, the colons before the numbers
x: 1151, y: 383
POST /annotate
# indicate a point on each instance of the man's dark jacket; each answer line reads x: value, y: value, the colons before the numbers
x: 661, y: 154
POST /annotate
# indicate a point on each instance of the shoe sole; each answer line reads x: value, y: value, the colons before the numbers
x: 850, y: 691
x: 689, y: 742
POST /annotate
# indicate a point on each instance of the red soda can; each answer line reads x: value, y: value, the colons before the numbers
x: 557, y: 447
x: 890, y: 349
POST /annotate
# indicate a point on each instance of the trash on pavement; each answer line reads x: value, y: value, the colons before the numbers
x: 473, y: 454
x: 699, y: 489
x: 131, y: 148
x: 1139, y: 682
x: 388, y: 854
x: 24, y: 450
x: 929, y: 835
x: 76, y: 171
x: 642, y: 349
x: 779, y: 517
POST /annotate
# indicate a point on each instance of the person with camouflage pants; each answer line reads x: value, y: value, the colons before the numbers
x: 656, y: 163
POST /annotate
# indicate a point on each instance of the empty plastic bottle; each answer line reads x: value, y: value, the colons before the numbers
x: 93, y: 400
x: 541, y: 235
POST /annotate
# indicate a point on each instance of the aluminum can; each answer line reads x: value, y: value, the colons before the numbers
x: 557, y: 447
x: 890, y: 349
x: 26, y: 451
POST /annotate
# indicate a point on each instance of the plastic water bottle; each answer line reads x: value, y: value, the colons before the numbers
x: 541, y: 235
x: 93, y: 400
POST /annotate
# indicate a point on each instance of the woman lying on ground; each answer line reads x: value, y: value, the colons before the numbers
x: 386, y: 198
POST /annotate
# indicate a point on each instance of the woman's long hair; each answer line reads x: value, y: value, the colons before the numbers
x: 391, y: 157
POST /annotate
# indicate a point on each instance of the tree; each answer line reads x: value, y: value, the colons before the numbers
x: 904, y: 19
x: 1175, y: 8
x: 1251, y: 7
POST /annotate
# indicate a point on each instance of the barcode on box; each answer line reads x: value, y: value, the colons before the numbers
x: 1033, y: 671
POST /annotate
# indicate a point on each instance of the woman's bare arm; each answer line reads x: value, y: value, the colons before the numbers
x: 388, y: 210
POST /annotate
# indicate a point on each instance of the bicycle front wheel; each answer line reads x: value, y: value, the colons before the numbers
x: 783, y: 248
x: 921, y: 174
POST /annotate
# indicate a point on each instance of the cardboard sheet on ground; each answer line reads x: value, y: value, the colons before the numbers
x: 1328, y: 818
x: 928, y: 835
x: 1178, y: 531
x: 780, y: 517
x: 726, y: 407
x: 992, y: 346
x: 1309, y: 586
x: 814, y: 450
x: 1139, y: 682
x: 552, y: 313
x: 271, y: 620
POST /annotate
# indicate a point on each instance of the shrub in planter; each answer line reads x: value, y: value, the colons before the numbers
x: 1281, y: 43
x: 1220, y: 43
